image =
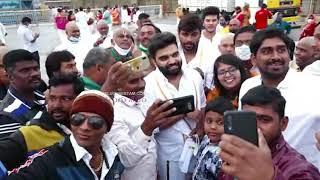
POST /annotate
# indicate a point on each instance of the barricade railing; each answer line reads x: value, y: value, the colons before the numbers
x: 46, y: 15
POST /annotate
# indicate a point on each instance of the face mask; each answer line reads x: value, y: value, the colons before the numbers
x: 122, y: 52
x: 74, y: 39
x: 243, y: 52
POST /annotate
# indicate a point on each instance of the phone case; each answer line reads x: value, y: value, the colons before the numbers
x: 242, y: 124
x: 139, y: 64
x: 183, y: 105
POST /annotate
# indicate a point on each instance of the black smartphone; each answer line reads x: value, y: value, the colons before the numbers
x: 183, y: 105
x: 242, y: 124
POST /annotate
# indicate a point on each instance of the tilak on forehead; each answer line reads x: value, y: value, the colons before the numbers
x: 123, y: 31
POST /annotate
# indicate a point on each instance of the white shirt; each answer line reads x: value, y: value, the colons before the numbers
x: 27, y: 36
x: 208, y: 51
x: 110, y: 150
x: 137, y: 151
x: 106, y: 43
x: 79, y: 50
x: 301, y: 92
x: 313, y: 68
x: 171, y: 140
x: 2, y: 33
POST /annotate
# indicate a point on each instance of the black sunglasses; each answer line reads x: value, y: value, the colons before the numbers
x: 94, y: 122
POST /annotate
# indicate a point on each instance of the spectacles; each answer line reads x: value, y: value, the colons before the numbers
x: 94, y: 122
x: 231, y: 70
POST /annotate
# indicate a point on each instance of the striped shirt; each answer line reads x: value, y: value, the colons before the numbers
x: 15, y: 111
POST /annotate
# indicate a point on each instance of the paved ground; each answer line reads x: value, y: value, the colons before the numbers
x: 49, y: 39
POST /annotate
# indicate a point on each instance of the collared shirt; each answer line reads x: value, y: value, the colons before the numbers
x: 208, y: 51
x: 110, y: 151
x: 79, y: 50
x: 137, y: 151
x: 16, y: 111
x: 171, y: 140
x: 27, y: 36
x: 302, y: 95
x: 89, y: 84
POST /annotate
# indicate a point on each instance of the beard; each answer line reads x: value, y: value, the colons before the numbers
x: 190, y: 46
x: 166, y: 71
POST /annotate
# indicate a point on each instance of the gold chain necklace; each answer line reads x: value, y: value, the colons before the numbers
x: 101, y: 163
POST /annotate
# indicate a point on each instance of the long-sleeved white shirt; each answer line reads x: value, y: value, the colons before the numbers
x: 137, y: 151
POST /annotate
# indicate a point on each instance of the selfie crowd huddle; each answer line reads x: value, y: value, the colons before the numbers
x: 219, y: 99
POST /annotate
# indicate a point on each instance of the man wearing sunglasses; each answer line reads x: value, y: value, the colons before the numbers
x: 87, y: 153
x: 51, y: 128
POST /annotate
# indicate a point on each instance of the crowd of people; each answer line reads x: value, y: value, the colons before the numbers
x: 98, y: 118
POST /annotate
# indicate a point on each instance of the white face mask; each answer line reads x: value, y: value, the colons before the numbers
x: 122, y: 52
x: 74, y: 39
x: 243, y: 52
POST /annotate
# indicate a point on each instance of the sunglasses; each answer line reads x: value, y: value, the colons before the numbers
x: 94, y: 122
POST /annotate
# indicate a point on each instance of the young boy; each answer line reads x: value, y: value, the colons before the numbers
x: 208, y: 162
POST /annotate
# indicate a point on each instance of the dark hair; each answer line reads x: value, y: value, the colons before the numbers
x: 263, y: 5
x: 62, y: 79
x: 157, y: 30
x: 219, y: 105
x: 55, y: 59
x: 81, y: 8
x: 238, y: 8
x: 230, y: 60
x: 15, y: 56
x: 248, y: 29
x: 160, y: 41
x: 262, y: 95
x: 189, y: 23
x: 226, y: 17
x: 25, y: 19
x: 143, y: 16
x: 262, y: 35
x: 210, y: 10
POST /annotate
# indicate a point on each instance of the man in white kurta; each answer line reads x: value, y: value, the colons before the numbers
x: 159, y: 85
x: 300, y: 90
x: 76, y: 44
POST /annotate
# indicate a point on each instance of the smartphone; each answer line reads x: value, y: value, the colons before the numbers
x: 183, y: 105
x: 242, y: 124
x: 140, y: 63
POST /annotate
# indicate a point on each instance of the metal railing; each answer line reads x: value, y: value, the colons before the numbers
x: 46, y: 15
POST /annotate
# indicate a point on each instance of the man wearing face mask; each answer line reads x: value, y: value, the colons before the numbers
x: 123, y: 48
x: 242, y: 41
x: 75, y: 44
x: 29, y: 38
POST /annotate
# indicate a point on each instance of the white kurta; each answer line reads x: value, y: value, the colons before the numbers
x: 137, y: 151
x: 170, y: 141
x: 301, y: 92
x: 79, y: 50
x: 208, y: 52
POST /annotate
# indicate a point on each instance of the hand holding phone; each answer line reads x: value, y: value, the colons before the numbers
x: 183, y: 105
x: 242, y: 124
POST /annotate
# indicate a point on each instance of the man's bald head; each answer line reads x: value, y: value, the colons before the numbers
x: 306, y: 52
x: 72, y: 29
x: 234, y: 25
x: 102, y: 27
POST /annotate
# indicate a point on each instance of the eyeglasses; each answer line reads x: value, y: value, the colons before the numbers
x: 94, y: 122
x: 231, y: 70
